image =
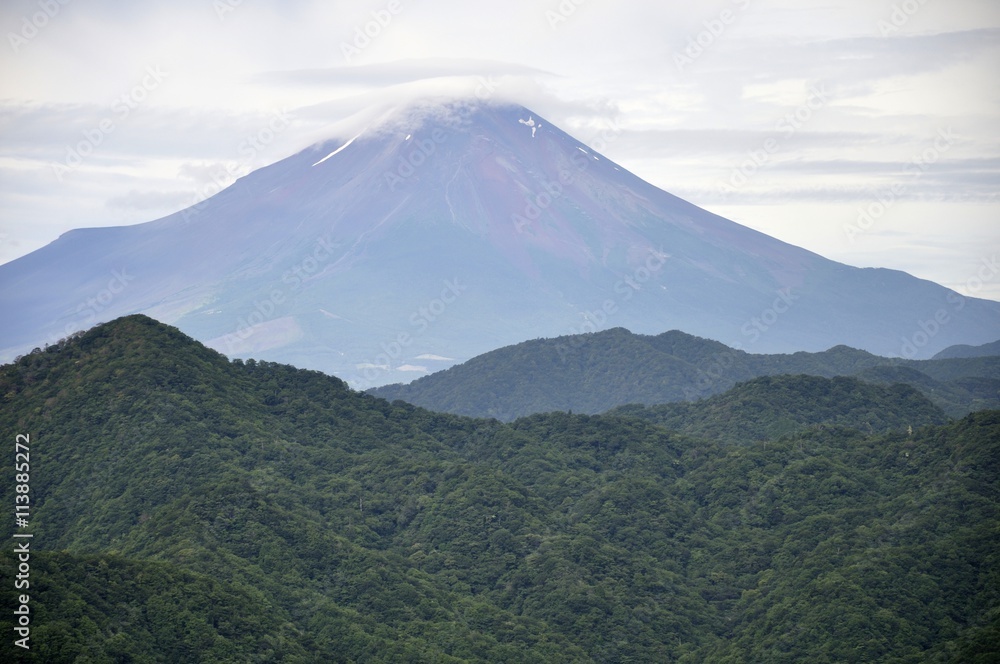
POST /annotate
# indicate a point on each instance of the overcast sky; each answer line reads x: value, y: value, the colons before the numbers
x: 864, y: 130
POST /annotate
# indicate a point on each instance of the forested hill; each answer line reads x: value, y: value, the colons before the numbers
x: 773, y: 406
x: 962, y: 350
x: 592, y: 373
x: 190, y: 509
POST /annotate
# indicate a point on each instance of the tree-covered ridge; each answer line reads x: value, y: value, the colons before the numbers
x: 593, y: 373
x: 769, y: 407
x: 335, y: 527
x: 260, y: 476
x: 963, y: 350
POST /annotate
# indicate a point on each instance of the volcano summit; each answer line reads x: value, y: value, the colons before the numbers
x: 443, y: 231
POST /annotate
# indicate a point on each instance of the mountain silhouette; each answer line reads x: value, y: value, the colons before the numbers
x: 445, y: 230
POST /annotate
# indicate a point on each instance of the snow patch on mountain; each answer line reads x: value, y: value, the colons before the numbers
x: 531, y: 123
x: 338, y: 150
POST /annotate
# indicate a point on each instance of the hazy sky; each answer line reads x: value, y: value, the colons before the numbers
x: 864, y: 130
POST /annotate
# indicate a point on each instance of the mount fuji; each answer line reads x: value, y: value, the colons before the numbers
x: 443, y: 231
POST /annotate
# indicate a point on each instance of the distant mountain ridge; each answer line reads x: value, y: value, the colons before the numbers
x: 445, y: 229
x: 593, y: 373
x: 962, y: 350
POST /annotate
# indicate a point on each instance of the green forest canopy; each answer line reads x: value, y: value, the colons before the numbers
x: 188, y: 508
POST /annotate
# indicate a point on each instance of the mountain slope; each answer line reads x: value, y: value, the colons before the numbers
x: 767, y: 408
x: 848, y: 568
x: 440, y: 232
x: 106, y: 608
x: 966, y: 393
x: 533, y: 377
x: 266, y: 479
x: 985, y: 350
x: 344, y: 528
x: 593, y: 373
